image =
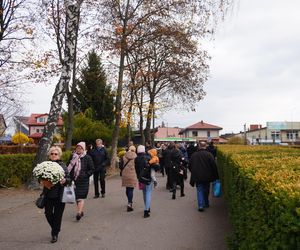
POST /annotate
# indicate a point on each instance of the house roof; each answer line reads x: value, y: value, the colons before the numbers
x: 22, y: 119
x: 163, y: 132
x: 33, y: 120
x: 201, y: 126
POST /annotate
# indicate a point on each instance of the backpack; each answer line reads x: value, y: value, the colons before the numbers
x: 145, y: 174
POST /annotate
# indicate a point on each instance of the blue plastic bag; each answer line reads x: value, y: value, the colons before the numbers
x: 216, y: 188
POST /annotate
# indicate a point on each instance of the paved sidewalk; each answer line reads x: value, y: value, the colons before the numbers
x: 174, y: 224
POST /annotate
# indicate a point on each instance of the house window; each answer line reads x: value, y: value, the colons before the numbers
x: 37, y: 130
x: 275, y: 135
x: 292, y: 135
x: 42, y: 119
x: 208, y: 133
x: 195, y: 133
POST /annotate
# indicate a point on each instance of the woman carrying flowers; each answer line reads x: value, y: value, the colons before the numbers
x: 81, y: 167
x: 53, y: 175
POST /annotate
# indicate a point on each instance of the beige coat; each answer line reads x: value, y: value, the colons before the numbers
x: 129, y: 178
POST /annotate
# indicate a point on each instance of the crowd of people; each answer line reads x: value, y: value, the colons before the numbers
x: 139, y: 167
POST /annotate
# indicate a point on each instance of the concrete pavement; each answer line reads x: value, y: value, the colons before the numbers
x: 174, y: 224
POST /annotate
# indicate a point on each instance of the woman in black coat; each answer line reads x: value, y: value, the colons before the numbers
x: 175, y: 171
x: 81, y: 168
x: 54, y: 208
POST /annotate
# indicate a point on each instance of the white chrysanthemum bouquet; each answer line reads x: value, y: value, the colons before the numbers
x: 50, y: 171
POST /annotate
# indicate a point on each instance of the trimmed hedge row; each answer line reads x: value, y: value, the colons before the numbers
x: 16, y: 169
x: 15, y: 149
x: 262, y: 187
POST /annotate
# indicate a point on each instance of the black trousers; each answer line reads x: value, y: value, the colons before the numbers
x: 96, y: 176
x: 176, y: 179
x: 168, y: 185
x: 54, y: 210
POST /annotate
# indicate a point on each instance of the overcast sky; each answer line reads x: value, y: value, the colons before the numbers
x: 254, y: 70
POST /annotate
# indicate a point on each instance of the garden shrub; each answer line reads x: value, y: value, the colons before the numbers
x: 262, y: 187
x: 16, y: 169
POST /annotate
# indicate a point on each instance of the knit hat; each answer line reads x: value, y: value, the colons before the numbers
x: 132, y: 148
x: 81, y: 144
x: 141, y: 149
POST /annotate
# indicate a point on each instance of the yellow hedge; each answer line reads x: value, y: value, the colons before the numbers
x: 262, y: 185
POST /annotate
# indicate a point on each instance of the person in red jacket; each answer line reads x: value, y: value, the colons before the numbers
x: 203, y: 171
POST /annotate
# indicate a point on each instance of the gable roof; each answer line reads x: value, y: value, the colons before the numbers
x: 21, y: 119
x: 201, y: 126
x: 33, y: 120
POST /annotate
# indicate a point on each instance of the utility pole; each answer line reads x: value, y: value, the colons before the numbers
x: 245, y: 135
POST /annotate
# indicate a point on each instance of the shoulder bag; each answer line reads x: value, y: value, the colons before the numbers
x: 121, y: 169
x: 40, y: 202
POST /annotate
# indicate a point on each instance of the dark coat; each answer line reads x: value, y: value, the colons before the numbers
x: 57, y: 190
x: 100, y: 158
x: 175, y: 165
x: 167, y: 158
x: 82, y: 181
x: 203, y: 167
x: 212, y: 150
x: 141, y: 163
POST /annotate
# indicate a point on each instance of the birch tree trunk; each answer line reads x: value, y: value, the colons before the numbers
x: 72, y: 22
x: 70, y: 96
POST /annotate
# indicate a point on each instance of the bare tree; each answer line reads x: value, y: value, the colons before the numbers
x: 128, y: 17
x: 14, y: 30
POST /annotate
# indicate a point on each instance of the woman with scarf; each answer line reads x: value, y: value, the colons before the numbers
x: 81, y: 167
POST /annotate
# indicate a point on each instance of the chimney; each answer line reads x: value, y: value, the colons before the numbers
x: 201, y: 121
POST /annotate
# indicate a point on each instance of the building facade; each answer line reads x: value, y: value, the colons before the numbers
x: 33, y: 126
x: 36, y: 124
x: 274, y: 132
x: 167, y: 132
x: 202, y: 131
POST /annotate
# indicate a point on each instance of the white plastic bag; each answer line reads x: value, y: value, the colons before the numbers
x: 69, y: 194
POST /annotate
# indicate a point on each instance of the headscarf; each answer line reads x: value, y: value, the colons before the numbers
x: 76, y: 161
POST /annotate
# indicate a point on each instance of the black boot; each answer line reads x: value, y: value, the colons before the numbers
x: 78, y: 216
x: 54, y: 238
x: 146, y: 214
x: 129, y: 207
x: 173, y: 196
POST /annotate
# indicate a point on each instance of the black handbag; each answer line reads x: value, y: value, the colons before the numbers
x: 40, y: 202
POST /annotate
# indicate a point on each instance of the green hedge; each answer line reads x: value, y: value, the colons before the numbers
x: 16, y: 169
x: 262, y: 188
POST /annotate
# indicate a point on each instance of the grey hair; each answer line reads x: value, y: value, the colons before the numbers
x: 55, y: 148
x: 99, y: 140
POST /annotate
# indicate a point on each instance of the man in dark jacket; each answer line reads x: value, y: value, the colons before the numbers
x: 101, y: 160
x: 203, y: 171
